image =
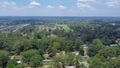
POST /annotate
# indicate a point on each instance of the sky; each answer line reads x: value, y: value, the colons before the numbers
x: 60, y: 8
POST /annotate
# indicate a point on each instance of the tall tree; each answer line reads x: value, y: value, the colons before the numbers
x: 3, y: 58
x: 27, y: 55
x: 36, y: 61
x: 96, y: 62
x: 22, y: 45
x: 95, y: 47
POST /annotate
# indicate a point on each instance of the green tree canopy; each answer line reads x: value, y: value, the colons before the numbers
x: 95, y: 47
x: 110, y: 52
x: 3, y: 58
x: 27, y: 55
x: 11, y: 63
x: 96, y: 62
x: 22, y: 45
x: 35, y: 61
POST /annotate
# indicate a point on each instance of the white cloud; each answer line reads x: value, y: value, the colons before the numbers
x: 86, y: 0
x: 113, y: 3
x: 34, y: 4
x: 49, y: 6
x: 7, y: 4
x: 62, y: 7
x: 82, y: 5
